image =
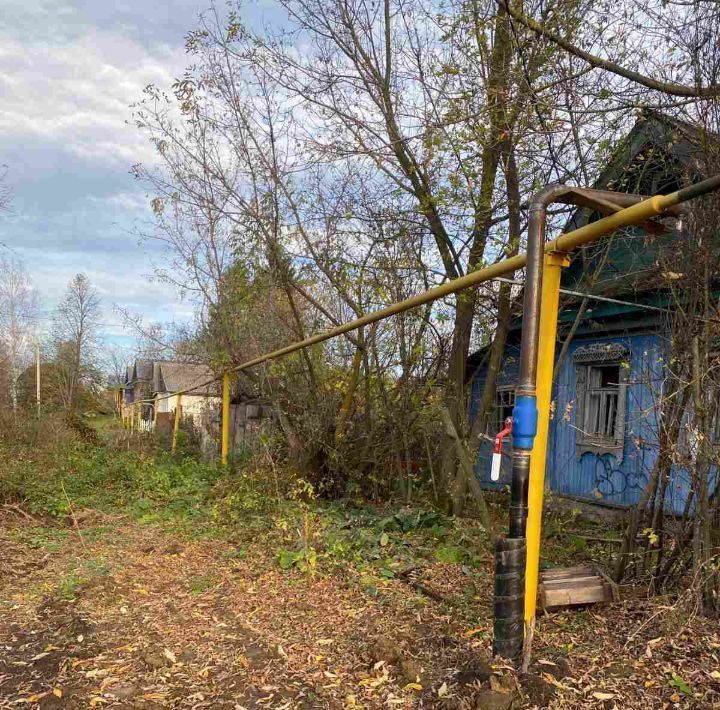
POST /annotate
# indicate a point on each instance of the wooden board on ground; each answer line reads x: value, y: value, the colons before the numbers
x: 574, y: 586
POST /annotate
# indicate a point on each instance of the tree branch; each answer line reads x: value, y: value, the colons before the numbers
x: 666, y: 87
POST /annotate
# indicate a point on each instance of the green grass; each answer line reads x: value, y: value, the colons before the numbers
x: 200, y: 584
x: 299, y: 533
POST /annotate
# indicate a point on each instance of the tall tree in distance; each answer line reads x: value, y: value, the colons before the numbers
x: 18, y: 309
x: 75, y: 330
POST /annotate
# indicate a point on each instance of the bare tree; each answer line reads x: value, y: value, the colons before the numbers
x: 75, y: 331
x: 115, y: 359
x: 18, y: 310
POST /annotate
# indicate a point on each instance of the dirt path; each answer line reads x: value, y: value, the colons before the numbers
x: 136, y: 616
x: 130, y: 616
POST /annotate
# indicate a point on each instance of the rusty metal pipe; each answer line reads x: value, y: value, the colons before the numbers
x: 509, y: 580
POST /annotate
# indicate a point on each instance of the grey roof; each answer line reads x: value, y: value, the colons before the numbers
x: 157, y: 377
x: 174, y: 376
x: 143, y: 370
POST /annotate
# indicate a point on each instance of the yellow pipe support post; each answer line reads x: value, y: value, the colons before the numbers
x: 225, y: 434
x: 155, y: 413
x: 554, y: 263
x: 176, y: 425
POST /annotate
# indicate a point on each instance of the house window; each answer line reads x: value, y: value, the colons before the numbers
x: 603, y: 391
x: 601, y: 397
x: 504, y: 403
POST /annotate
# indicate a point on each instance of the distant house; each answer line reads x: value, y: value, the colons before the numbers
x: 603, y: 439
x: 170, y: 377
x: 157, y: 381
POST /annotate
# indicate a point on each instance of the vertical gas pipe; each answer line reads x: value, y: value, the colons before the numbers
x: 554, y: 264
x: 225, y: 423
x: 176, y: 424
x: 510, y: 552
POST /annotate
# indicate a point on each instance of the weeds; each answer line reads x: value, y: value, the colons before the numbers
x: 196, y: 499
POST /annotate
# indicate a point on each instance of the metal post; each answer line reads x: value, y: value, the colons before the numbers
x: 155, y: 413
x: 554, y: 263
x: 176, y: 425
x: 37, y: 379
x: 225, y: 433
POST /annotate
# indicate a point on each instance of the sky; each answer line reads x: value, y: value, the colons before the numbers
x: 69, y: 72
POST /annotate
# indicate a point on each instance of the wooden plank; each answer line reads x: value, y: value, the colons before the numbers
x: 554, y: 598
x: 573, y: 583
x: 612, y: 584
x: 558, y: 572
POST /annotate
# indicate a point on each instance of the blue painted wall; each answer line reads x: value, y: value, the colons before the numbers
x: 593, y: 477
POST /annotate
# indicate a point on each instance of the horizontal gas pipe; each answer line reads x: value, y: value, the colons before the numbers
x: 565, y: 242
x: 510, y: 552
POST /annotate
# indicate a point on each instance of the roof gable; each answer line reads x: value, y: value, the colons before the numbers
x: 176, y: 376
x: 142, y: 370
x: 658, y: 155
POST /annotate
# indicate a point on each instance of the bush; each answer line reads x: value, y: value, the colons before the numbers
x: 51, y: 466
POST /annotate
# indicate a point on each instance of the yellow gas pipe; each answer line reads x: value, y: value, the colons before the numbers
x: 554, y: 264
x: 176, y: 425
x: 225, y: 440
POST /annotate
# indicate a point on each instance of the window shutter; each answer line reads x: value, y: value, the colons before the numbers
x: 581, y: 387
x: 622, y: 409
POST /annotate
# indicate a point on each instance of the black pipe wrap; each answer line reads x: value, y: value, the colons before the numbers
x: 509, y: 607
x: 519, y: 493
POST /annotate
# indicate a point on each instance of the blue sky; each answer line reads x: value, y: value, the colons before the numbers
x: 69, y: 71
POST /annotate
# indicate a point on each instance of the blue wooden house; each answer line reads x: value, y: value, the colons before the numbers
x: 603, y: 438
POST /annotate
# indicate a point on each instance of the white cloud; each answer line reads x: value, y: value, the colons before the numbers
x: 78, y: 95
x: 69, y: 72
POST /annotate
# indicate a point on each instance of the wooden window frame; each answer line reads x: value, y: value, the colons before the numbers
x: 596, y: 356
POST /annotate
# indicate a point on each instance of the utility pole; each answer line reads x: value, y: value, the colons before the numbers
x: 37, y: 378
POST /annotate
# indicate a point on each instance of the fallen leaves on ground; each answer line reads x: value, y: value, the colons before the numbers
x: 200, y: 629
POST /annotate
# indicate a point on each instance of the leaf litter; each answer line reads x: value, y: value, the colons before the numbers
x: 203, y: 628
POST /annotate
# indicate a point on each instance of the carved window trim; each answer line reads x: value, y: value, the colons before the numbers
x: 585, y: 359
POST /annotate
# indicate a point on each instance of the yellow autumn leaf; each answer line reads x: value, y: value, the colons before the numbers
x: 34, y: 698
x: 57, y: 692
x: 413, y: 686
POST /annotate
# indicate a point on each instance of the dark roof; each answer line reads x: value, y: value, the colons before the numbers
x: 174, y: 376
x: 143, y: 370
x: 658, y: 155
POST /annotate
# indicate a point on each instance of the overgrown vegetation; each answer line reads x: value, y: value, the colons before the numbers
x: 130, y: 532
x: 61, y: 476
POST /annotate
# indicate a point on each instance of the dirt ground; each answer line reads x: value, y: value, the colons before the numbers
x: 124, y: 614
